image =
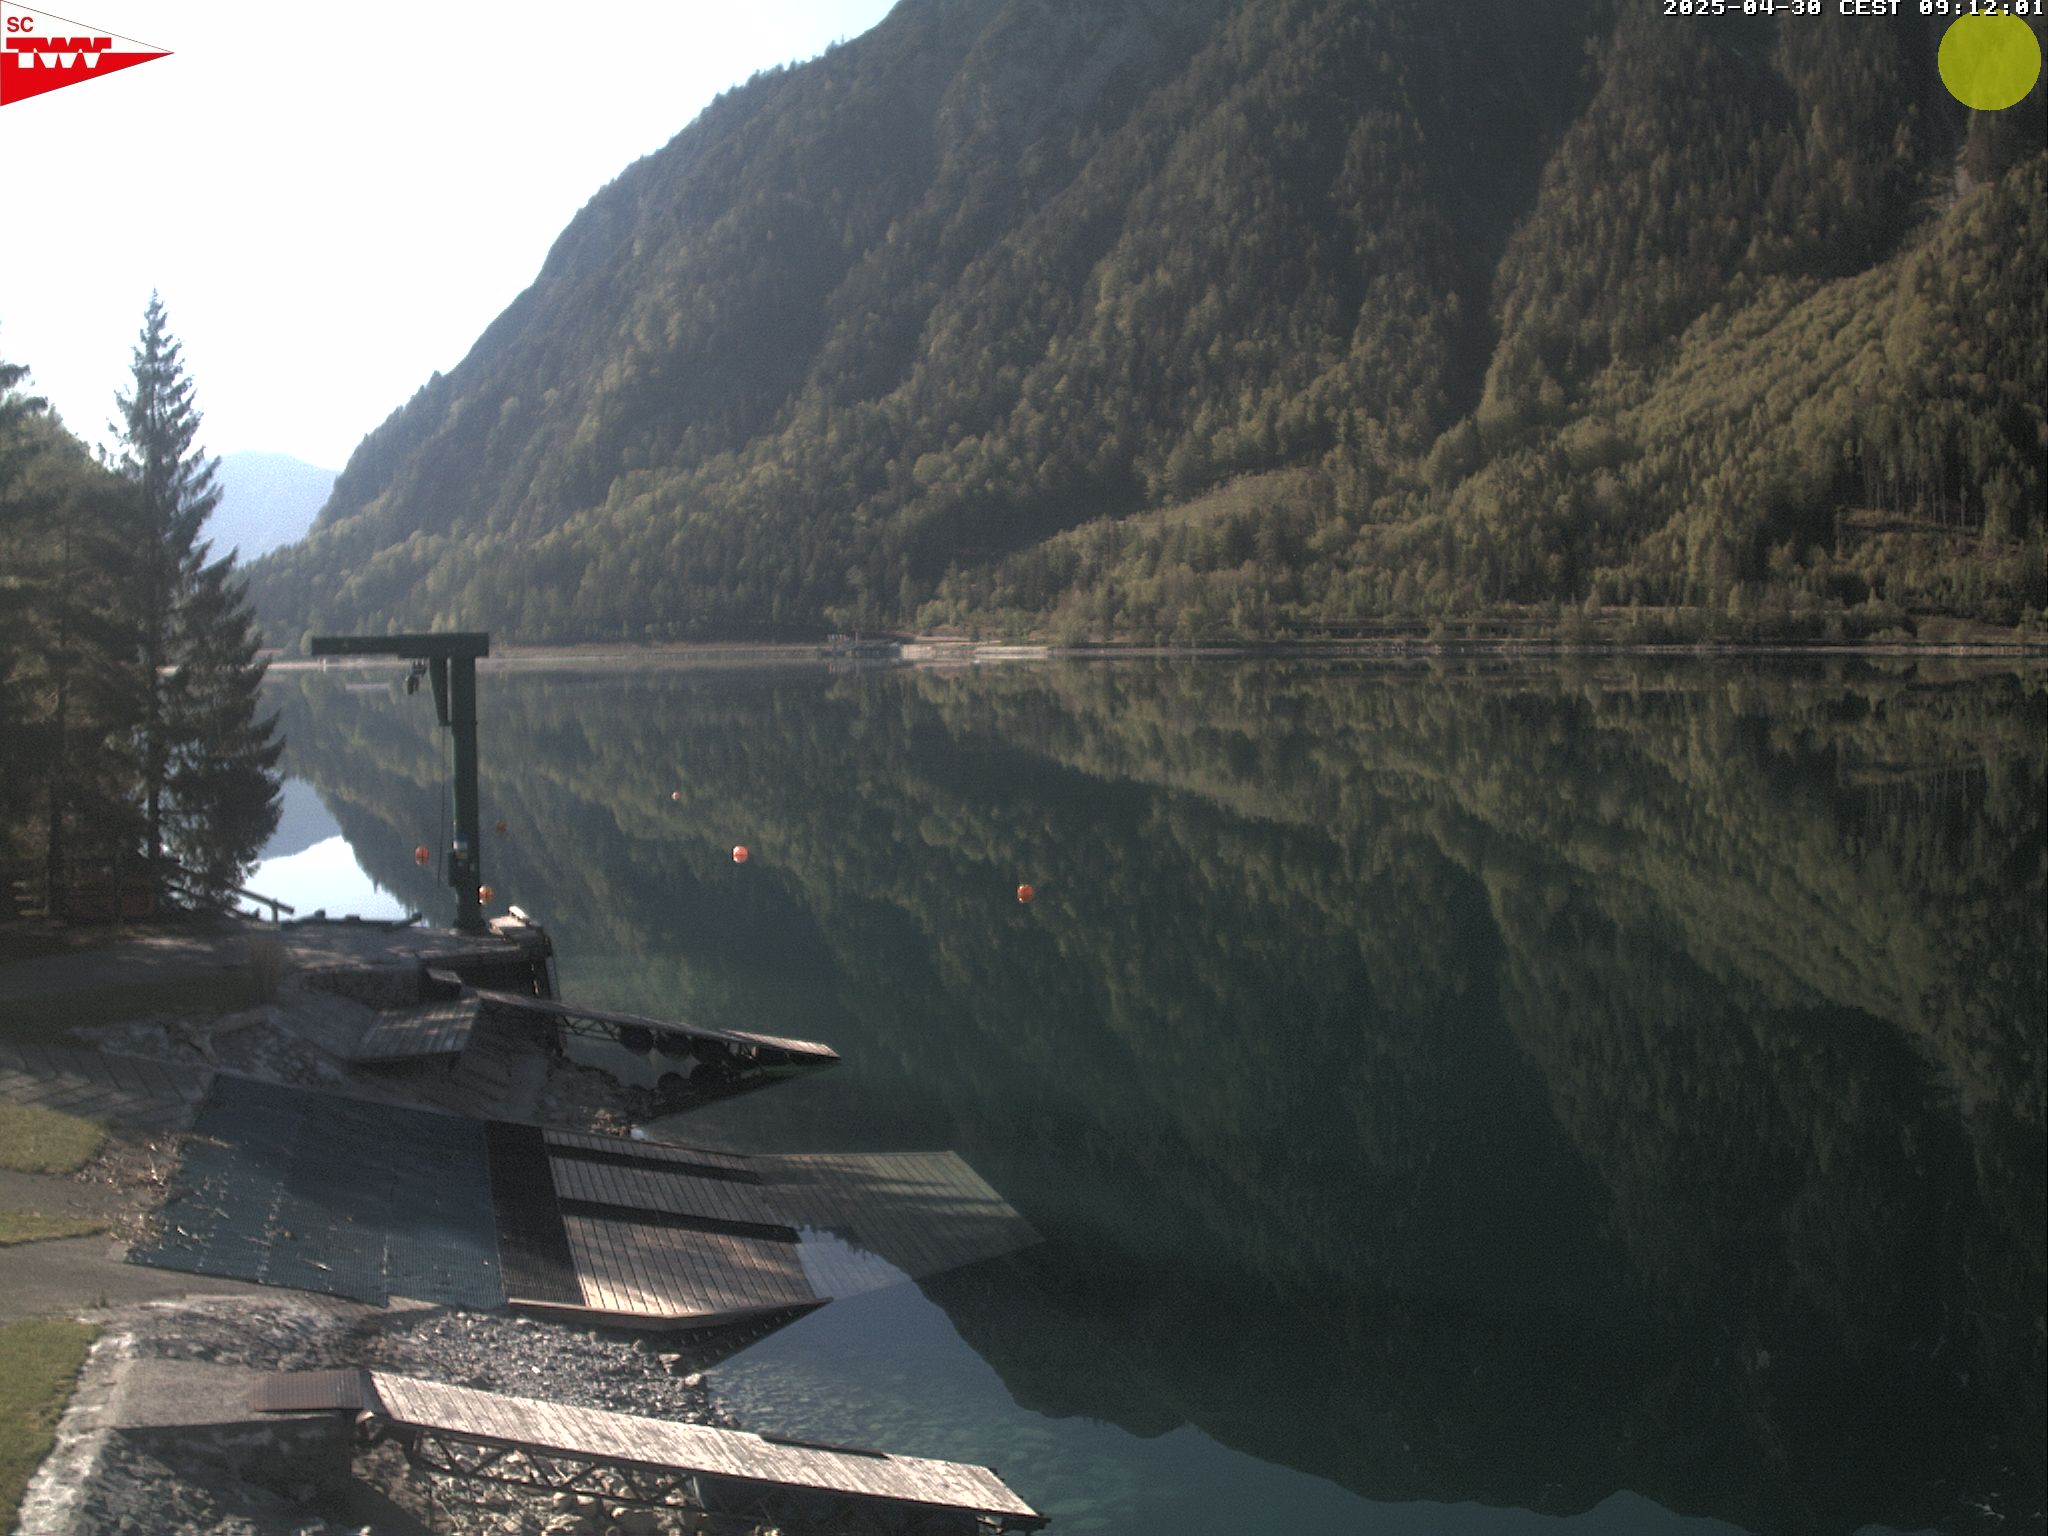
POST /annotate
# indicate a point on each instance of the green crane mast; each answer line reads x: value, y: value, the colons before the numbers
x: 451, y: 662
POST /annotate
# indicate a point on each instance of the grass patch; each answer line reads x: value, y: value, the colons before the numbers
x: 34, y: 1227
x: 39, y: 1363
x: 34, y: 1140
x: 49, y: 1016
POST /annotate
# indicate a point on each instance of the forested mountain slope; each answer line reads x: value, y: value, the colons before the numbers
x: 1252, y: 317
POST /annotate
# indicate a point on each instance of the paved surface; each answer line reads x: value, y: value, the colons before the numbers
x: 117, y: 1090
x: 140, y: 955
x: 155, y: 1394
x: 79, y: 1276
x: 85, y: 1274
x: 57, y: 1194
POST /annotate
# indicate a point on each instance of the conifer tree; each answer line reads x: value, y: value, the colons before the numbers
x: 208, y: 782
x: 70, y: 681
x: 17, y: 411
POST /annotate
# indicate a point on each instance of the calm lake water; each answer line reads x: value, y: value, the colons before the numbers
x: 1455, y: 1099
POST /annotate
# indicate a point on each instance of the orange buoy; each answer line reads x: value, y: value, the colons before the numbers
x: 484, y: 894
x: 739, y: 853
x: 420, y: 854
x: 1026, y: 894
x: 501, y: 829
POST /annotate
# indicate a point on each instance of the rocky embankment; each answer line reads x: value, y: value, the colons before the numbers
x: 107, y: 1480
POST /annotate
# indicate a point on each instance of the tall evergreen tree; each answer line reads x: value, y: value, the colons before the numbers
x: 17, y: 411
x: 208, y: 764
x: 70, y: 679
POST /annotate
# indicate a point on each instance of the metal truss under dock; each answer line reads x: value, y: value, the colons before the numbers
x: 656, y: 1463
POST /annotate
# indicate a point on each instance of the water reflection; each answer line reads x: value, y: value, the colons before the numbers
x: 1463, y: 1086
x: 309, y: 866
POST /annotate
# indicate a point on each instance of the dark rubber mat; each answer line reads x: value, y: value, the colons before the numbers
x: 283, y: 1186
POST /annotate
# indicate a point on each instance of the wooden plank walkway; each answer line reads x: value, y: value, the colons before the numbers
x: 669, y: 1191
x: 637, y: 1271
x: 762, y: 1478
x: 652, y: 1152
x: 750, y: 1464
x: 415, y: 1034
x: 681, y: 1235
x: 738, y: 1039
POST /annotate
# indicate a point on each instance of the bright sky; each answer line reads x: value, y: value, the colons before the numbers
x: 335, y: 202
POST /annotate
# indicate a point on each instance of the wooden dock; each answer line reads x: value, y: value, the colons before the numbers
x: 678, y: 1236
x: 656, y: 1463
x: 438, y: 1029
x: 349, y: 1197
x: 742, y: 1045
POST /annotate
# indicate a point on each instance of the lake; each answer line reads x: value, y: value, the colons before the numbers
x: 1474, y: 1097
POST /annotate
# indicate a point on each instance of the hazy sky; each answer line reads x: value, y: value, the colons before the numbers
x: 333, y: 202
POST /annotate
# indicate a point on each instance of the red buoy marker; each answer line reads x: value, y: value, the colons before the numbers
x: 739, y: 854
x: 675, y: 794
x: 1026, y: 894
x: 420, y: 854
x: 484, y: 894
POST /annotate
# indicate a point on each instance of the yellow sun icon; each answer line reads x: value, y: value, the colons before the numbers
x: 1989, y: 62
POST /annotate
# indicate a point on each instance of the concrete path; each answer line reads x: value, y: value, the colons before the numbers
x: 138, y: 956
x: 82, y: 1276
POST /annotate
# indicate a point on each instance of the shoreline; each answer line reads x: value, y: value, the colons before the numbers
x: 929, y: 651
x: 123, y: 1457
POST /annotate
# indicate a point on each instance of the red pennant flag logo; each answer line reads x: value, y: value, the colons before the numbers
x: 40, y: 52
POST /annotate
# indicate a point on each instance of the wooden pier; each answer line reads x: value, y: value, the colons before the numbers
x: 605, y: 1023
x: 655, y: 1463
x: 662, y: 1236
x: 285, y: 1186
x: 432, y: 1030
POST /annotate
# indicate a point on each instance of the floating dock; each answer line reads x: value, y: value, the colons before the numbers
x: 737, y: 1045
x: 285, y: 1186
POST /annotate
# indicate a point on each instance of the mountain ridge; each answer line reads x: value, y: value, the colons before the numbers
x: 911, y: 334
x: 267, y: 500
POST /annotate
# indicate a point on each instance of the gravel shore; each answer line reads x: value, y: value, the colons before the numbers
x: 142, y: 1484
x: 100, y: 1479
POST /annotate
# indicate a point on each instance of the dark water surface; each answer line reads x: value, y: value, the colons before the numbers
x: 1455, y: 1100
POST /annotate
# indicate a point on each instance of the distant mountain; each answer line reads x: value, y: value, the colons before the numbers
x: 267, y: 500
x: 1182, y: 318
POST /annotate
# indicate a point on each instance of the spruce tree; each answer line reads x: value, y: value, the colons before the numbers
x: 209, y: 787
x: 70, y: 681
x: 17, y: 612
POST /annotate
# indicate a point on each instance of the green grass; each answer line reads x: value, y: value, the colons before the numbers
x: 48, y: 1016
x: 34, y: 1227
x: 39, y: 1362
x: 36, y: 1140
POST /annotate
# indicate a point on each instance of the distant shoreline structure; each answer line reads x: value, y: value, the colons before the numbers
x: 948, y: 650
